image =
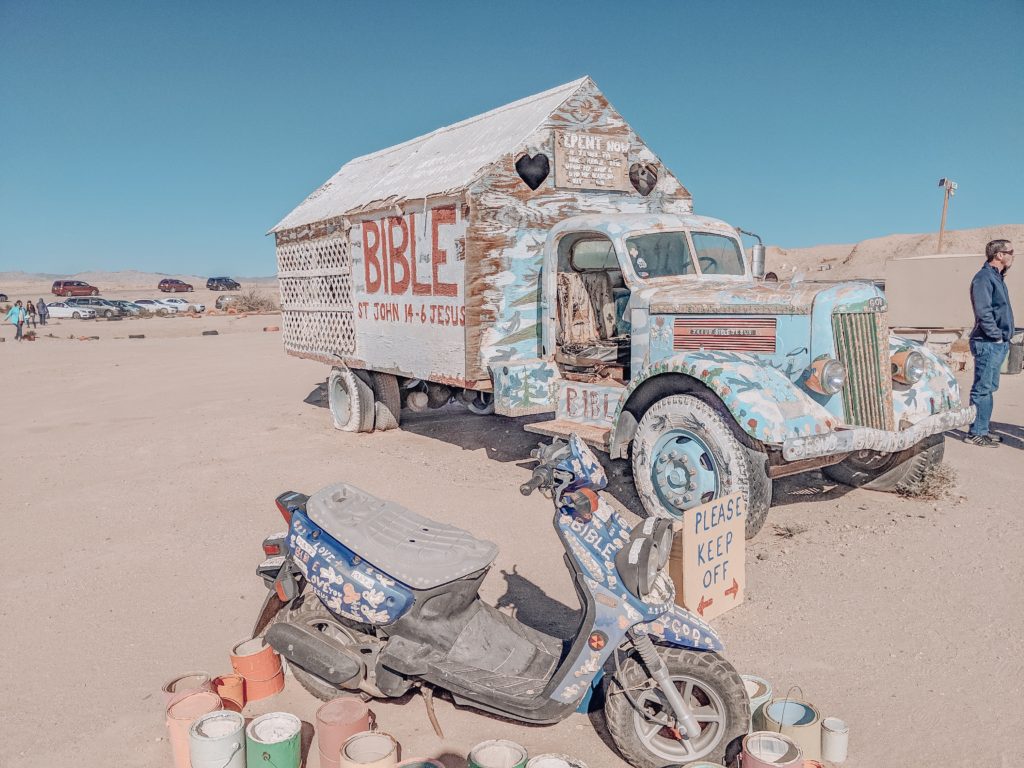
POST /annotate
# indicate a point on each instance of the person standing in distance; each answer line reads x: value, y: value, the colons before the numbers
x: 990, y: 338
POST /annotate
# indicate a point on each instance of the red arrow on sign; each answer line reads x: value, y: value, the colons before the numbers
x: 733, y: 590
x: 704, y: 604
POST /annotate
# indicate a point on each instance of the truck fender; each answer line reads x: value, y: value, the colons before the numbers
x: 767, y: 405
x: 679, y: 627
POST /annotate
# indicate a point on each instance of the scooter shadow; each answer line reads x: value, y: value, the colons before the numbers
x: 531, y: 605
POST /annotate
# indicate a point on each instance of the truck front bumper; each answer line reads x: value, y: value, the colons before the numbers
x: 868, y: 439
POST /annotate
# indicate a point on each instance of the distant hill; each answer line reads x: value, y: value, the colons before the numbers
x: 867, y: 258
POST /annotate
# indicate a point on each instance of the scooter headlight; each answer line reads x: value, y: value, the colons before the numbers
x: 908, y: 366
x: 647, y: 553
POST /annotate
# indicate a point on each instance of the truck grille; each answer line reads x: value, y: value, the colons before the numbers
x: 862, y: 343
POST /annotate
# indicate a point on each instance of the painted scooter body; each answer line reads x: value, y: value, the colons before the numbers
x: 415, y: 647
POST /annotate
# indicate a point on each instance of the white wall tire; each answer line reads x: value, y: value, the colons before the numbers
x: 350, y: 401
x: 685, y: 453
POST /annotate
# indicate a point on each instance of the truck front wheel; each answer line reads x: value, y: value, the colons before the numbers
x: 890, y: 472
x: 350, y: 400
x: 685, y: 454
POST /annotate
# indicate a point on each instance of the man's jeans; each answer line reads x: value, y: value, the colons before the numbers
x: 988, y: 359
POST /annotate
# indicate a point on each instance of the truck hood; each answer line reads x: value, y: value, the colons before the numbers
x: 741, y: 297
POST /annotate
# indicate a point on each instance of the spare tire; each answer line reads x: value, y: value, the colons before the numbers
x: 350, y: 400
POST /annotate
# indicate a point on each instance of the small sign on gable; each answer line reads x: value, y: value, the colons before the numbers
x: 709, y: 555
x: 590, y: 160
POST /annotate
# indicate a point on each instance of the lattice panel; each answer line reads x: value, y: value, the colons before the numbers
x: 317, y: 306
x: 326, y: 253
x: 317, y: 333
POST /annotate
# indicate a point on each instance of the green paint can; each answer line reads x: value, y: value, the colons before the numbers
x: 497, y: 753
x: 274, y: 740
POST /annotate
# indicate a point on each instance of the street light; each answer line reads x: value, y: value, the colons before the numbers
x: 950, y: 186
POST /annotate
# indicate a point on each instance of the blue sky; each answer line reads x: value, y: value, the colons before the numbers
x: 170, y: 136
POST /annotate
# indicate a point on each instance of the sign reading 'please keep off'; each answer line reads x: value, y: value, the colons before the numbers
x: 709, y: 555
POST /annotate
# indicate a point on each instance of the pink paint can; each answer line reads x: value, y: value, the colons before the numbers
x: 337, y: 721
x: 182, y: 685
x: 764, y: 749
x: 180, y: 716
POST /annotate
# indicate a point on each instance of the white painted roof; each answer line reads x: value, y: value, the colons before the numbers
x: 443, y: 161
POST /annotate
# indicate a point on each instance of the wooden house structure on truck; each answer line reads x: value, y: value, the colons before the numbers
x: 422, y: 261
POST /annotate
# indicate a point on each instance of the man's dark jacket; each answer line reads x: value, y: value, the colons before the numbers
x: 993, y: 315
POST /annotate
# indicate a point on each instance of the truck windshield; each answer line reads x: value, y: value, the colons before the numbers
x: 660, y: 254
x: 717, y: 254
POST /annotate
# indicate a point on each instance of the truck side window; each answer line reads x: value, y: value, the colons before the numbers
x: 660, y: 254
x: 717, y: 254
x: 593, y: 254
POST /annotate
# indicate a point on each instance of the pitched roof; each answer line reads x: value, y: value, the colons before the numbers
x: 445, y: 160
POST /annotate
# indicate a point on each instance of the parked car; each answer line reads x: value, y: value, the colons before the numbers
x: 61, y: 309
x: 73, y: 288
x: 102, y: 307
x: 184, y: 306
x: 156, y: 307
x: 169, y: 285
x: 3, y: 297
x: 129, y: 307
x: 225, y: 301
x: 222, y: 284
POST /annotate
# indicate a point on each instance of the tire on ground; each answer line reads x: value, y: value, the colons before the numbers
x: 711, y: 671
x: 350, y: 400
x: 891, y: 472
x: 742, y: 467
x: 388, y: 405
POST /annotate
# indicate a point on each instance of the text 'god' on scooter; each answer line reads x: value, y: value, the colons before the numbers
x: 380, y: 599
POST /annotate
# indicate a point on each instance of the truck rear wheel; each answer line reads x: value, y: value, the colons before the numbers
x: 889, y: 472
x: 388, y: 405
x: 686, y: 454
x: 350, y: 400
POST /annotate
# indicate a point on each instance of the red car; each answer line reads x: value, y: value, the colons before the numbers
x: 169, y: 285
x: 73, y: 288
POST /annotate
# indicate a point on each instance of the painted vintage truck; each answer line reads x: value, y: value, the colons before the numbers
x: 540, y: 259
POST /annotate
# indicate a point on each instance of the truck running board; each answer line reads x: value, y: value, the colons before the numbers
x: 592, y: 435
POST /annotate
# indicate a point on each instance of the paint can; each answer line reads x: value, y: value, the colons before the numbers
x: 231, y: 689
x: 180, y: 716
x: 217, y: 740
x: 178, y: 687
x: 421, y: 762
x: 337, y: 721
x: 369, y: 749
x: 497, y: 753
x: 799, y: 721
x: 274, y: 740
x: 808, y: 764
x: 558, y: 761
x: 763, y: 749
x: 260, y: 665
x: 759, y: 691
x: 835, y: 738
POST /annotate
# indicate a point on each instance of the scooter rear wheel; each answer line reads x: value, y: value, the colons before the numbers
x: 713, y: 690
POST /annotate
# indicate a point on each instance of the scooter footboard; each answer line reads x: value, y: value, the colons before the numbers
x: 681, y: 628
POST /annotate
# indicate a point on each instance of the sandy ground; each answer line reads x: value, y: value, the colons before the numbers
x: 138, y: 478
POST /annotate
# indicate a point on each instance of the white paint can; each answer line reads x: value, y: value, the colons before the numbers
x: 759, y: 692
x: 763, y: 749
x: 835, y: 738
x: 799, y: 721
x: 555, y: 761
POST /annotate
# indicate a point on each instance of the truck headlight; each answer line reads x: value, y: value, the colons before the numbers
x: 909, y: 366
x: 827, y: 376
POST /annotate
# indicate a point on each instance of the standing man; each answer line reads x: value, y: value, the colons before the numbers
x: 990, y: 339
x: 16, y: 317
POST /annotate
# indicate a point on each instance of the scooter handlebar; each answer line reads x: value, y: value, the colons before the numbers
x: 532, y: 484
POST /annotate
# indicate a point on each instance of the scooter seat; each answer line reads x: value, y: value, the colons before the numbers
x: 408, y: 547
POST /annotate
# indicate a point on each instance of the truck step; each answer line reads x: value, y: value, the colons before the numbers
x: 594, y: 436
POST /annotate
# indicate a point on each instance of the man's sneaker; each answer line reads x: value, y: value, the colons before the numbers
x: 994, y: 438
x: 985, y: 440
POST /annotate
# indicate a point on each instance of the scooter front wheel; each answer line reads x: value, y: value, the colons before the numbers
x: 711, y: 687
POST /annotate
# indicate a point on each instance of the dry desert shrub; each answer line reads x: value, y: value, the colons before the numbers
x: 935, y: 483
x: 254, y: 301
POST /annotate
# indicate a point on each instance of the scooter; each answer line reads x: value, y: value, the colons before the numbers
x: 380, y: 599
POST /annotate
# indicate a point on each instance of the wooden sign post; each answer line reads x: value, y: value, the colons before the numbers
x: 708, y: 556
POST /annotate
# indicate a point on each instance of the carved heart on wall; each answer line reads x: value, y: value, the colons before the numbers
x: 643, y: 177
x: 533, y: 170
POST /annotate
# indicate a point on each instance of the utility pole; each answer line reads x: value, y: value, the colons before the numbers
x: 950, y: 187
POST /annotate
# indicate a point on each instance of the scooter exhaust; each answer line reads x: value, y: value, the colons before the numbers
x: 305, y: 649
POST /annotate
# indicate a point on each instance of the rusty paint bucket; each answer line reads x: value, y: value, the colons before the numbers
x: 180, y: 716
x: 337, y: 721
x: 231, y: 689
x: 497, y: 753
x: 182, y: 685
x: 763, y: 749
x: 799, y: 721
x: 260, y: 665
x: 369, y: 750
